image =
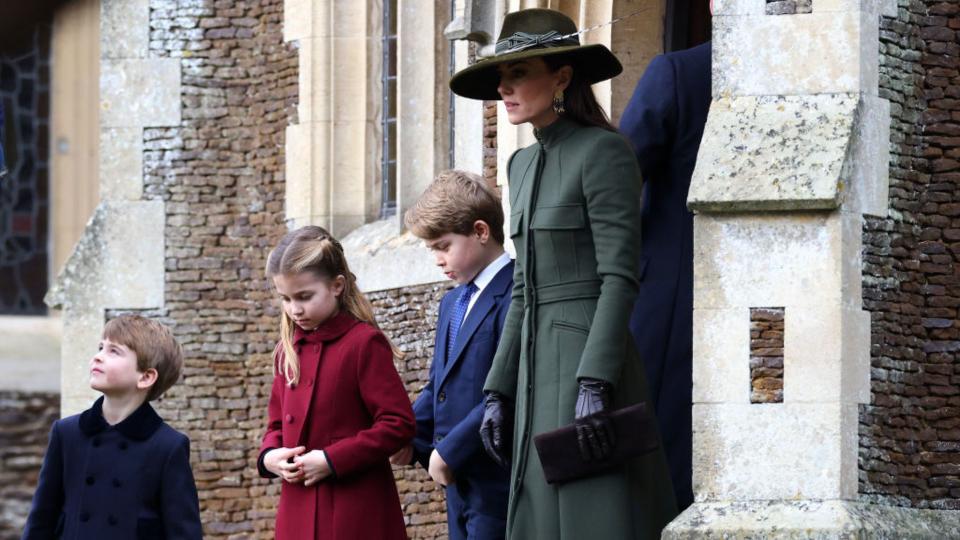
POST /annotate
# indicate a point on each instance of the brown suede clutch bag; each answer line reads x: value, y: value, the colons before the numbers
x: 636, y: 434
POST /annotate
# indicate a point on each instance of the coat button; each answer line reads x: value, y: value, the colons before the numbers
x: 116, y: 482
x: 123, y: 445
x: 438, y: 438
x: 293, y: 386
x: 96, y: 442
x: 84, y: 517
x: 112, y: 520
x: 442, y: 397
x: 289, y: 418
x: 89, y: 480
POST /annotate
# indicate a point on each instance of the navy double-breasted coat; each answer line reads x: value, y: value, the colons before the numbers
x: 664, y: 121
x: 128, y: 481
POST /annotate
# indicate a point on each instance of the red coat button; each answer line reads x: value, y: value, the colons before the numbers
x: 289, y: 418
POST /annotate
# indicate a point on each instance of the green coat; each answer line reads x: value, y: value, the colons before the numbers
x: 576, y: 229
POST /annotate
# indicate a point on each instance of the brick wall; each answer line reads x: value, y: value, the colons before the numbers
x: 409, y: 317
x: 910, y: 431
x: 25, y: 420
x: 221, y: 175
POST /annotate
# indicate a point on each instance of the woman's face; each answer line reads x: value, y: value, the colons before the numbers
x: 527, y: 88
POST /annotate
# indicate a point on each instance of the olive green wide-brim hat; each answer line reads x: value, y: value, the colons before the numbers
x: 535, y: 33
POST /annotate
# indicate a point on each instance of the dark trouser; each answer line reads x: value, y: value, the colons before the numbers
x: 465, y: 521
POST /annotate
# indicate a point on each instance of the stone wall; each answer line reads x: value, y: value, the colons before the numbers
x: 221, y: 175
x: 25, y: 420
x: 408, y: 316
x: 910, y: 431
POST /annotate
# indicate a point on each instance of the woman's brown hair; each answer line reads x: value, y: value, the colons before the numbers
x: 313, y: 249
x: 579, y: 102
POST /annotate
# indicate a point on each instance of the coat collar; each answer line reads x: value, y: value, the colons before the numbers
x: 329, y: 330
x: 556, y: 132
x: 139, y: 426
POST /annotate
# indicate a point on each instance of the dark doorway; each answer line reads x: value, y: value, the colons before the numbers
x: 687, y: 24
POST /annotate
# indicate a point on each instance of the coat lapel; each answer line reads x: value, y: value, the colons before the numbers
x: 484, y: 305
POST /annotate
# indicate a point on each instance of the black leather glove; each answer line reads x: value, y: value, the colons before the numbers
x: 496, y: 428
x: 595, y: 433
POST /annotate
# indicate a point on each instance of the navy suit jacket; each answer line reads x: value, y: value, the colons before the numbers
x: 128, y: 481
x: 450, y: 407
x: 664, y: 121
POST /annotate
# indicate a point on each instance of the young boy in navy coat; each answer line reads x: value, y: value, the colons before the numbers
x: 461, y: 221
x: 117, y: 470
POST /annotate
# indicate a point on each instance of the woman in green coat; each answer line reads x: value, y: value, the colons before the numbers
x: 566, y: 352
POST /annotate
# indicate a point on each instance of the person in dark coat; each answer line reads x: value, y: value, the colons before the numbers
x: 117, y: 470
x: 664, y: 121
x: 566, y: 357
x: 461, y: 221
x: 338, y: 409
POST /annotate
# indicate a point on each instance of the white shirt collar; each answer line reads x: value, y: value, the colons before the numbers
x: 487, y: 274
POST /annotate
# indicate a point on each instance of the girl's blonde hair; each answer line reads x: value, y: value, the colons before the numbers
x: 313, y: 249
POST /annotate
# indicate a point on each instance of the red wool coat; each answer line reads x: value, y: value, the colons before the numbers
x: 350, y: 403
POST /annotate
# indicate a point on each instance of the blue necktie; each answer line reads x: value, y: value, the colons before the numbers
x: 456, y: 318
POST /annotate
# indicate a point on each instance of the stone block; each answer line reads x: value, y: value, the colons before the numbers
x: 124, y: 28
x: 802, y: 520
x: 316, y: 85
x: 140, y: 93
x: 82, y: 330
x: 767, y: 260
x: 773, y: 153
x: 826, y: 355
x: 132, y: 266
x: 724, y: 8
x: 774, y: 451
x: 382, y: 258
x: 307, y: 170
x: 866, y: 174
x: 813, y: 53
x: 121, y: 163
x: 306, y: 18
x: 721, y: 351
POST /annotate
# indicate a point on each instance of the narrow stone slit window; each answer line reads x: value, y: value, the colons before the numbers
x: 789, y: 7
x: 766, y: 355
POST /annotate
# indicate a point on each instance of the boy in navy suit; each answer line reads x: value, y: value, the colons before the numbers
x: 461, y: 221
x: 117, y: 470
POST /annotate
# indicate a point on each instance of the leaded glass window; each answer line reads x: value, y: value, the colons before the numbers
x: 25, y: 191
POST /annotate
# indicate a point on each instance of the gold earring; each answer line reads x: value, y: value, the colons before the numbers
x: 558, y: 101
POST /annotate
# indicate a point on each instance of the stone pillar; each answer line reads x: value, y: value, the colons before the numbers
x: 795, y: 152
x: 329, y: 174
x: 118, y: 262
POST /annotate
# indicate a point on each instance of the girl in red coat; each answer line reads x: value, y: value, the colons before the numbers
x: 338, y: 409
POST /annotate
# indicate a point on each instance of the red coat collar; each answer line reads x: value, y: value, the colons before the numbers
x: 329, y: 330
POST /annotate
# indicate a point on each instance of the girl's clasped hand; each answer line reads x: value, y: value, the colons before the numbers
x: 296, y: 465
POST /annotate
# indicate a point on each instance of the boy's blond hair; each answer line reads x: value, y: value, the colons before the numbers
x: 452, y: 204
x: 154, y: 345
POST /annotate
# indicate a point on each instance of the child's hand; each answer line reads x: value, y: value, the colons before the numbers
x: 314, y: 466
x: 276, y: 461
x: 439, y: 470
x: 403, y: 456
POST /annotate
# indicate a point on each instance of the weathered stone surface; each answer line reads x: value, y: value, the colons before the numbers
x: 816, y: 53
x: 139, y: 92
x: 810, y: 520
x: 782, y: 451
x: 773, y: 153
x: 382, y: 258
x: 124, y: 29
